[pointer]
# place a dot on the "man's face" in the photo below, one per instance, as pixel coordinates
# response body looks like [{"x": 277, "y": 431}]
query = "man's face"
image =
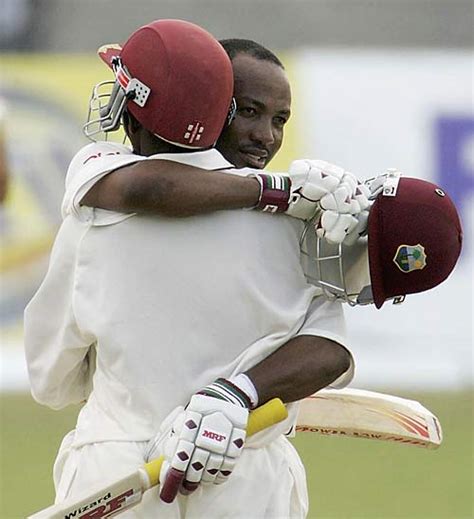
[{"x": 263, "y": 96}]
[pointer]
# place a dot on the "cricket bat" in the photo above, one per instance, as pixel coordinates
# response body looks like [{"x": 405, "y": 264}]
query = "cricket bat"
[
  {"x": 367, "y": 414},
  {"x": 128, "y": 491}
]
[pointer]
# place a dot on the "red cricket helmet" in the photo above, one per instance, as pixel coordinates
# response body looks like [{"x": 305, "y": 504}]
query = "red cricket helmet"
[
  {"x": 414, "y": 239},
  {"x": 177, "y": 80}
]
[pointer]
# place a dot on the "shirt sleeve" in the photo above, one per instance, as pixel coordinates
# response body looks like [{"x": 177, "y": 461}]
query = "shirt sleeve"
[
  {"x": 59, "y": 355},
  {"x": 88, "y": 166},
  {"x": 325, "y": 318}
]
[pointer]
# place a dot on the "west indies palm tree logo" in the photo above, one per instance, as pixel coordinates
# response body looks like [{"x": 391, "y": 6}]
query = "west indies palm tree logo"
[{"x": 410, "y": 257}]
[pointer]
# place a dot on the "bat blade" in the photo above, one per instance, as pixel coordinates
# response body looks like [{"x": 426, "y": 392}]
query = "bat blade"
[
  {"x": 366, "y": 414},
  {"x": 117, "y": 497},
  {"x": 127, "y": 492}
]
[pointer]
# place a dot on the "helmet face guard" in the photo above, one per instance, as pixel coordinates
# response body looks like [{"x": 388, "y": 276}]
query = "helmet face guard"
[
  {"x": 340, "y": 271},
  {"x": 109, "y": 98},
  {"x": 106, "y": 106}
]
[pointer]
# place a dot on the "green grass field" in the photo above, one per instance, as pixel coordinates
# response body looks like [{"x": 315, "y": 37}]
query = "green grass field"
[{"x": 347, "y": 478}]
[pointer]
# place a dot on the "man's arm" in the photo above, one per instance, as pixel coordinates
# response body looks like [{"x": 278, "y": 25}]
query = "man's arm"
[
  {"x": 171, "y": 189},
  {"x": 59, "y": 354},
  {"x": 302, "y": 366},
  {"x": 110, "y": 176},
  {"x": 314, "y": 358},
  {"x": 168, "y": 188}
]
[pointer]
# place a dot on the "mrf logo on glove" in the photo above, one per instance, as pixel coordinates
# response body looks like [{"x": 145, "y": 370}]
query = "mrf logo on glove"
[
  {"x": 208, "y": 437},
  {"x": 213, "y": 436}
]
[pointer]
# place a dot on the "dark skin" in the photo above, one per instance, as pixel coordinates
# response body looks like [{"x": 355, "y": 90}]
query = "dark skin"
[
  {"x": 263, "y": 96},
  {"x": 302, "y": 366},
  {"x": 305, "y": 363}
]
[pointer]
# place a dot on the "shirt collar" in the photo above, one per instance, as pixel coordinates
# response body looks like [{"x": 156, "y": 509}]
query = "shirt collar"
[{"x": 207, "y": 159}]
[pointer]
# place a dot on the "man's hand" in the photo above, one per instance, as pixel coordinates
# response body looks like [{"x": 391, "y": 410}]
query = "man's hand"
[
  {"x": 205, "y": 440},
  {"x": 314, "y": 189},
  {"x": 313, "y": 181},
  {"x": 335, "y": 195},
  {"x": 344, "y": 221}
]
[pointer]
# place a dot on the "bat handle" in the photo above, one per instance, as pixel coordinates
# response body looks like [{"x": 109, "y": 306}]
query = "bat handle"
[
  {"x": 153, "y": 468},
  {"x": 270, "y": 413}
]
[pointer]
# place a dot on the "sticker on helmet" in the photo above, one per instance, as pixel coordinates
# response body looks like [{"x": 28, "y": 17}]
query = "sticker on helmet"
[
  {"x": 410, "y": 257},
  {"x": 193, "y": 132}
]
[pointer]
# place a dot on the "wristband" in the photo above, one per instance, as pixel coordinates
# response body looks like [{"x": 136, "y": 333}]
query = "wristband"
[
  {"x": 243, "y": 382},
  {"x": 225, "y": 390},
  {"x": 275, "y": 192}
]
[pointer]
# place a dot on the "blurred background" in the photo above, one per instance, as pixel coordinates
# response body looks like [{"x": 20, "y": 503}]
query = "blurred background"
[{"x": 376, "y": 84}]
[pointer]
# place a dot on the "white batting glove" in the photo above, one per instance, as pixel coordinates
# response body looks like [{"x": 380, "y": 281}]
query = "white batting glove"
[
  {"x": 321, "y": 190},
  {"x": 206, "y": 439},
  {"x": 345, "y": 220},
  {"x": 336, "y": 194},
  {"x": 311, "y": 182}
]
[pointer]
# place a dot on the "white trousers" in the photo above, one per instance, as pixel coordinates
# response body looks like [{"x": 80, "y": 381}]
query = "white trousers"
[{"x": 267, "y": 483}]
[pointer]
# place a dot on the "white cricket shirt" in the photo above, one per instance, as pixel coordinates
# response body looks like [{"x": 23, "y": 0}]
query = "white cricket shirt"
[{"x": 137, "y": 313}]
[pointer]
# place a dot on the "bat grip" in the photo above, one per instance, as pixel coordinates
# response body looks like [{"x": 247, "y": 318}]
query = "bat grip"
[
  {"x": 270, "y": 413},
  {"x": 153, "y": 468}
]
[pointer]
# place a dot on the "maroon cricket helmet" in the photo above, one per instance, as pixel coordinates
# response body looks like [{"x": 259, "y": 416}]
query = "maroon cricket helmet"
[
  {"x": 414, "y": 240},
  {"x": 189, "y": 77}
]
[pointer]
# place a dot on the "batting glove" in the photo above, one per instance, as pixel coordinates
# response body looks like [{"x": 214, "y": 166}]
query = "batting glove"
[
  {"x": 311, "y": 182},
  {"x": 344, "y": 220},
  {"x": 335, "y": 195},
  {"x": 206, "y": 439},
  {"x": 317, "y": 189}
]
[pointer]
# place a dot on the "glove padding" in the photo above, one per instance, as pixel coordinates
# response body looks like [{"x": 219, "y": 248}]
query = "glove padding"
[
  {"x": 204, "y": 443},
  {"x": 311, "y": 181},
  {"x": 327, "y": 190},
  {"x": 345, "y": 220}
]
